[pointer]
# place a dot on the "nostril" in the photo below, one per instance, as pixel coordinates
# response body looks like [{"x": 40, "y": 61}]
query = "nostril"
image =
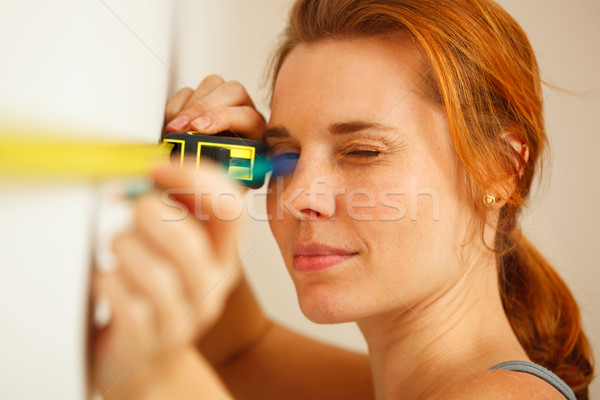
[{"x": 310, "y": 213}]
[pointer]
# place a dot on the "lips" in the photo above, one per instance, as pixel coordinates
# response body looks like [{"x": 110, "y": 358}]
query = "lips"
[{"x": 318, "y": 256}]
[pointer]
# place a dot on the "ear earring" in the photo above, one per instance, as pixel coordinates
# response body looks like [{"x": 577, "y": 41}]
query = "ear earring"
[{"x": 490, "y": 200}]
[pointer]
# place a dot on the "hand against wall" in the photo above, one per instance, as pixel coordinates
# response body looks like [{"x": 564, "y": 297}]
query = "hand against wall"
[{"x": 176, "y": 268}]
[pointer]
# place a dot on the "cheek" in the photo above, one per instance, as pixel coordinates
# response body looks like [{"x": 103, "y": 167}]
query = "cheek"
[
  {"x": 416, "y": 214},
  {"x": 278, "y": 219},
  {"x": 431, "y": 246}
]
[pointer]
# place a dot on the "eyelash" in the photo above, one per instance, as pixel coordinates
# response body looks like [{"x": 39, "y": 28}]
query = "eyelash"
[
  {"x": 285, "y": 163},
  {"x": 364, "y": 153},
  {"x": 355, "y": 153}
]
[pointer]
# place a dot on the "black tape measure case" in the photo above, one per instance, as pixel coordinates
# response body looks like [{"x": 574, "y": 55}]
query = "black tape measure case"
[{"x": 244, "y": 159}]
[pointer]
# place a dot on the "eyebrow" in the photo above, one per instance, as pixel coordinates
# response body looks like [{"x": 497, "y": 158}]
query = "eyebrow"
[{"x": 337, "y": 128}]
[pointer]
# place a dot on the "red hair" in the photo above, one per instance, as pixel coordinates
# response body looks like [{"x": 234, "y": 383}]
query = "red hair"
[{"x": 482, "y": 70}]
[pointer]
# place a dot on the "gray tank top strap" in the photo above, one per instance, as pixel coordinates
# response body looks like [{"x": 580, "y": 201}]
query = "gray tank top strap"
[{"x": 540, "y": 372}]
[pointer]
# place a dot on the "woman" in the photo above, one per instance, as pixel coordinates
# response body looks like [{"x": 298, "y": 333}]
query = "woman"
[{"x": 417, "y": 128}]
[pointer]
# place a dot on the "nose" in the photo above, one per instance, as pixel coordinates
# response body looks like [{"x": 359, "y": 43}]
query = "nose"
[{"x": 310, "y": 192}]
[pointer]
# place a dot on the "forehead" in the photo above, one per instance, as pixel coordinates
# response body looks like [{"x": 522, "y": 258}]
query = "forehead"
[
  {"x": 378, "y": 80},
  {"x": 359, "y": 75}
]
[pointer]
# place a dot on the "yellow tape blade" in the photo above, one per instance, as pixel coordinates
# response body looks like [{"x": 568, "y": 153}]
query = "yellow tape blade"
[{"x": 45, "y": 157}]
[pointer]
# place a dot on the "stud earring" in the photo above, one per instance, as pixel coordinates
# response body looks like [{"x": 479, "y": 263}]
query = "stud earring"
[{"x": 490, "y": 200}]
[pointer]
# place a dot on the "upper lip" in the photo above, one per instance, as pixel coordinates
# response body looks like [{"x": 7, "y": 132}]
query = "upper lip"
[{"x": 318, "y": 249}]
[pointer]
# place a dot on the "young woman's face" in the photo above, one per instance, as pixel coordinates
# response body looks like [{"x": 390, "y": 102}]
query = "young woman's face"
[{"x": 371, "y": 218}]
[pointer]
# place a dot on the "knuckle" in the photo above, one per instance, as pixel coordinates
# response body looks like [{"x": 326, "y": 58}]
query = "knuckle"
[
  {"x": 141, "y": 311},
  {"x": 234, "y": 84},
  {"x": 145, "y": 207},
  {"x": 120, "y": 241},
  {"x": 222, "y": 115},
  {"x": 186, "y": 91},
  {"x": 228, "y": 199},
  {"x": 170, "y": 112},
  {"x": 173, "y": 105},
  {"x": 166, "y": 278},
  {"x": 258, "y": 119},
  {"x": 199, "y": 108},
  {"x": 149, "y": 202},
  {"x": 148, "y": 208},
  {"x": 236, "y": 88},
  {"x": 212, "y": 79},
  {"x": 193, "y": 245},
  {"x": 213, "y": 307},
  {"x": 220, "y": 184},
  {"x": 205, "y": 313}
]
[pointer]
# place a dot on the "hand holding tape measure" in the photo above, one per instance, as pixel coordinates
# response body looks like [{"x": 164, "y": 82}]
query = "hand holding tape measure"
[
  {"x": 225, "y": 109},
  {"x": 173, "y": 265},
  {"x": 233, "y": 139},
  {"x": 244, "y": 159},
  {"x": 163, "y": 269}
]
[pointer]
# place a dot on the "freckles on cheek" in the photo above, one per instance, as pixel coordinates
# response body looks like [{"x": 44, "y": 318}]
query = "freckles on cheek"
[
  {"x": 375, "y": 207},
  {"x": 384, "y": 195},
  {"x": 361, "y": 205}
]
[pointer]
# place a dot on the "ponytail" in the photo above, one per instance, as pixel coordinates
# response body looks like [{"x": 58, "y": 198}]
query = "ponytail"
[{"x": 543, "y": 314}]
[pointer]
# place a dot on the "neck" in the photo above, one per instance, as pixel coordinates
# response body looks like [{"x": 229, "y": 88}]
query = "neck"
[{"x": 462, "y": 332}]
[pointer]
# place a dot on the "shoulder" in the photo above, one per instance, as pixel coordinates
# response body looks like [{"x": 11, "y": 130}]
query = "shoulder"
[{"x": 495, "y": 384}]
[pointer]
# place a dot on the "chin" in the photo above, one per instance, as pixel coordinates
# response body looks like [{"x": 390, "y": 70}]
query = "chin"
[{"x": 322, "y": 305}]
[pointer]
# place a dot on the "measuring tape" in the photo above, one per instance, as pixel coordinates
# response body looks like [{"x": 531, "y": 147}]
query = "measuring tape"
[
  {"x": 26, "y": 156},
  {"x": 244, "y": 159}
]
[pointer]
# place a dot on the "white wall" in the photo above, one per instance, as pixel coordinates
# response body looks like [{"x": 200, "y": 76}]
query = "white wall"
[{"x": 76, "y": 67}]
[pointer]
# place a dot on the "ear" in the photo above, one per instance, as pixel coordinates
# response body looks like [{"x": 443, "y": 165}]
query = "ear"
[
  {"x": 523, "y": 150},
  {"x": 520, "y": 147}
]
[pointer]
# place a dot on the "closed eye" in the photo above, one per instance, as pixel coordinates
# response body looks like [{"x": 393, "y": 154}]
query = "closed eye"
[
  {"x": 363, "y": 153},
  {"x": 284, "y": 164}
]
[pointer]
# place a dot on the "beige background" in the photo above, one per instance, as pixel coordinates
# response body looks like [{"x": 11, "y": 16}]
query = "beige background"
[{"x": 562, "y": 220}]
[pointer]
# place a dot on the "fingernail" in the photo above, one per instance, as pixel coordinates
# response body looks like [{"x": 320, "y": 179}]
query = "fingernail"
[
  {"x": 102, "y": 312},
  {"x": 106, "y": 260},
  {"x": 201, "y": 123},
  {"x": 178, "y": 123}
]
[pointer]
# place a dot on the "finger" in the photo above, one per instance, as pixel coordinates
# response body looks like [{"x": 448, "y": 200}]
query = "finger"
[
  {"x": 132, "y": 318},
  {"x": 180, "y": 121},
  {"x": 244, "y": 120},
  {"x": 229, "y": 94},
  {"x": 130, "y": 334},
  {"x": 216, "y": 200},
  {"x": 152, "y": 277},
  {"x": 208, "y": 84},
  {"x": 177, "y": 103},
  {"x": 183, "y": 241},
  {"x": 206, "y": 284}
]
